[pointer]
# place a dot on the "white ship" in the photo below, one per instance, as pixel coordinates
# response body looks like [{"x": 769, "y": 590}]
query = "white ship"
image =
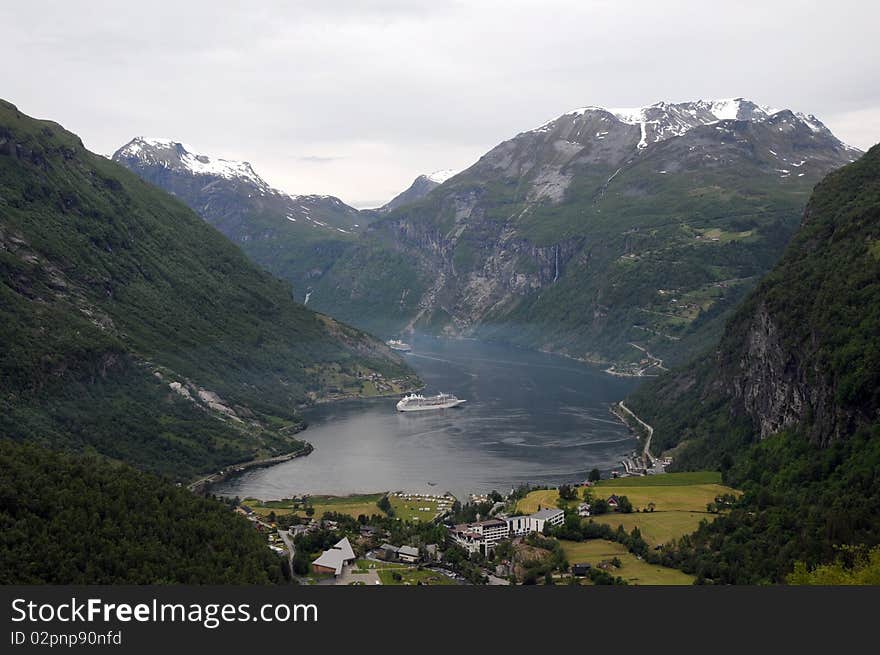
[
  {"x": 418, "y": 403},
  {"x": 395, "y": 344}
]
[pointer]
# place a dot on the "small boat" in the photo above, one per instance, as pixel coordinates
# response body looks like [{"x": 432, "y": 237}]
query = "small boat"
[
  {"x": 400, "y": 346},
  {"x": 417, "y": 403}
]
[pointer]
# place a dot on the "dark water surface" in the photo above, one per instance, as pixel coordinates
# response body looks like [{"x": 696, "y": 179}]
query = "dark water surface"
[{"x": 529, "y": 417}]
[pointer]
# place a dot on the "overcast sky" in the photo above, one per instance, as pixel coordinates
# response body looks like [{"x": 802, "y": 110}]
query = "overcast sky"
[{"x": 356, "y": 98}]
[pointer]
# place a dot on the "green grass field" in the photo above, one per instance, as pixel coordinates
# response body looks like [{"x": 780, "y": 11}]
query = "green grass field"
[
  {"x": 667, "y": 498},
  {"x": 351, "y": 505},
  {"x": 369, "y": 565},
  {"x": 665, "y": 480},
  {"x": 679, "y": 500},
  {"x": 656, "y": 527},
  {"x": 405, "y": 509},
  {"x": 535, "y": 500},
  {"x": 411, "y": 509},
  {"x": 633, "y": 570},
  {"x": 413, "y": 577}
]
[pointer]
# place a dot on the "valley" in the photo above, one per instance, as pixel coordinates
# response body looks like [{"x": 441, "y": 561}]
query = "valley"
[
  {"x": 600, "y": 235},
  {"x": 731, "y": 315}
]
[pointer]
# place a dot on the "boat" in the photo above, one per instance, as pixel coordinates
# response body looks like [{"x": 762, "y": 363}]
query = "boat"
[
  {"x": 398, "y": 345},
  {"x": 418, "y": 403}
]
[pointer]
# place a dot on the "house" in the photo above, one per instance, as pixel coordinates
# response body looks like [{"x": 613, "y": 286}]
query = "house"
[
  {"x": 369, "y": 531},
  {"x": 409, "y": 554},
  {"x": 298, "y": 529},
  {"x": 388, "y": 552},
  {"x": 332, "y": 560},
  {"x": 580, "y": 570},
  {"x": 613, "y": 501},
  {"x": 584, "y": 509}
]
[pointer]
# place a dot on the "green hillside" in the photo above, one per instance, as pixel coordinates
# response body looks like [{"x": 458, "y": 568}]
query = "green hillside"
[
  {"x": 82, "y": 520},
  {"x": 132, "y": 328},
  {"x": 787, "y": 404}
]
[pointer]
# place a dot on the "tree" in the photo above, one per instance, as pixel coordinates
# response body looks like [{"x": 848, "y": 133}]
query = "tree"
[
  {"x": 548, "y": 579},
  {"x": 385, "y": 505},
  {"x": 595, "y": 475},
  {"x": 624, "y": 505},
  {"x": 567, "y": 492},
  {"x": 599, "y": 506}
]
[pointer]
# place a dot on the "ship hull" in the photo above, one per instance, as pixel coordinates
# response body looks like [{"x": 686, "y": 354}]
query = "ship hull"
[{"x": 426, "y": 408}]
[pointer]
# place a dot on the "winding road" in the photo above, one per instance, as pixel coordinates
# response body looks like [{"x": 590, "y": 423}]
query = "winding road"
[{"x": 647, "y": 450}]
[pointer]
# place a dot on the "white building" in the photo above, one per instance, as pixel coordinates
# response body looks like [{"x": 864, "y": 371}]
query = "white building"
[
  {"x": 518, "y": 525},
  {"x": 481, "y": 536},
  {"x": 544, "y": 516},
  {"x": 485, "y": 535}
]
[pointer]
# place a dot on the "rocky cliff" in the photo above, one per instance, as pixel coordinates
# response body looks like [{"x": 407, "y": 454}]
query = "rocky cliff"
[{"x": 802, "y": 352}]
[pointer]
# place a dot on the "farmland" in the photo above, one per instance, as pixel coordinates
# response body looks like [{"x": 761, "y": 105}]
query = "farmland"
[{"x": 632, "y": 569}]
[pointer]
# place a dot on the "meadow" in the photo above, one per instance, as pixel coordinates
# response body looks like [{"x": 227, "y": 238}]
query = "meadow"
[
  {"x": 679, "y": 502},
  {"x": 632, "y": 569}
]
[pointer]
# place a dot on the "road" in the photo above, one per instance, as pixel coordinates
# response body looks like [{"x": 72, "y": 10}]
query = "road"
[
  {"x": 285, "y": 537},
  {"x": 647, "y": 450}
]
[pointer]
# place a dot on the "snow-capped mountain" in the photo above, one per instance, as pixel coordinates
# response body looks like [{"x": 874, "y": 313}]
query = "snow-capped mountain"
[
  {"x": 225, "y": 192},
  {"x": 602, "y": 228},
  {"x": 179, "y": 157},
  {"x": 421, "y": 186},
  {"x": 293, "y": 236},
  {"x": 664, "y": 120}
]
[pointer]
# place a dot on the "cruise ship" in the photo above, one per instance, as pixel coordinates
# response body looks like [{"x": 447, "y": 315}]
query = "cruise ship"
[
  {"x": 395, "y": 344},
  {"x": 418, "y": 403}
]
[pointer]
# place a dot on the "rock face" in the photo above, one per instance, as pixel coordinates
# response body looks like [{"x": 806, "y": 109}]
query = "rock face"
[
  {"x": 802, "y": 351},
  {"x": 601, "y": 229}
]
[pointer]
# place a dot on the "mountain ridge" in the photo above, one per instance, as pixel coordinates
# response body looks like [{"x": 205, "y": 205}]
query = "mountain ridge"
[{"x": 572, "y": 238}]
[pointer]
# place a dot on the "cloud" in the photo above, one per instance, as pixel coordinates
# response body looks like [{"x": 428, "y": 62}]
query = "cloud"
[{"x": 356, "y": 98}]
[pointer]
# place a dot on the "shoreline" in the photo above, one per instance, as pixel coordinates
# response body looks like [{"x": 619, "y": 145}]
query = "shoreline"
[{"x": 204, "y": 484}]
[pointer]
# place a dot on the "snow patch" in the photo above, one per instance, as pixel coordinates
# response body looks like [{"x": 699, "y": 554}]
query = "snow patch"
[{"x": 442, "y": 175}]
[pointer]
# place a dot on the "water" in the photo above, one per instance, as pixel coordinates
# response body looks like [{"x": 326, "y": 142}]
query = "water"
[{"x": 529, "y": 417}]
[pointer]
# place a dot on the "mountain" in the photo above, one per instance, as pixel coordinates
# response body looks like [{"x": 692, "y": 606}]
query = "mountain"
[
  {"x": 421, "y": 186},
  {"x": 120, "y": 526},
  {"x": 133, "y": 329},
  {"x": 788, "y": 403},
  {"x": 601, "y": 234},
  {"x": 293, "y": 236}
]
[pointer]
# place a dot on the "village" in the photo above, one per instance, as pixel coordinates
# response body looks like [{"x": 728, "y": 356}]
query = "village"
[{"x": 592, "y": 532}]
